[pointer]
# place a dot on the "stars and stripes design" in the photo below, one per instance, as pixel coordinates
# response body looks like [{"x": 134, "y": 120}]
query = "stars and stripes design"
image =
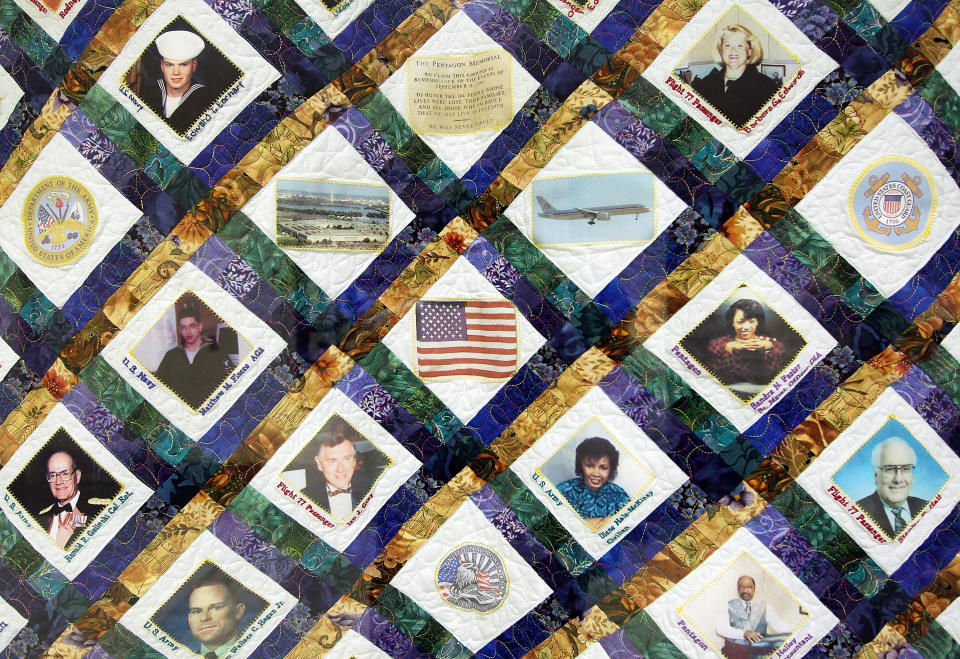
[
  {"x": 476, "y": 338},
  {"x": 44, "y": 218},
  {"x": 891, "y": 203},
  {"x": 483, "y": 581},
  {"x": 487, "y": 570}
]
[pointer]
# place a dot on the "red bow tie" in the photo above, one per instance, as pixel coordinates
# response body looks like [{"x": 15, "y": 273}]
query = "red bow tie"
[{"x": 346, "y": 490}]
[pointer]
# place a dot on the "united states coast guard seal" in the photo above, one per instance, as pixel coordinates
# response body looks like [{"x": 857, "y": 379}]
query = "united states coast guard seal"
[
  {"x": 893, "y": 203},
  {"x": 59, "y": 220},
  {"x": 472, "y": 578}
]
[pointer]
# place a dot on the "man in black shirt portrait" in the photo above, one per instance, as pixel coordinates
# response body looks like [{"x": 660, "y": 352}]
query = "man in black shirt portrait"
[{"x": 195, "y": 368}]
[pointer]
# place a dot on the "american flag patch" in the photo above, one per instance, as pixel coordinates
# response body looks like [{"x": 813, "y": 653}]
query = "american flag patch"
[
  {"x": 477, "y": 338},
  {"x": 44, "y": 218},
  {"x": 483, "y": 581}
]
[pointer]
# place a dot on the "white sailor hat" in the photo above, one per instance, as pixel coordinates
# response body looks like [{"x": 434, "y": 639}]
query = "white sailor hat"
[{"x": 179, "y": 45}]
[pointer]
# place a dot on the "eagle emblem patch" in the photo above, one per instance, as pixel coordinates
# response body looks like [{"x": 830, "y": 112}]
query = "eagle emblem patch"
[{"x": 59, "y": 220}]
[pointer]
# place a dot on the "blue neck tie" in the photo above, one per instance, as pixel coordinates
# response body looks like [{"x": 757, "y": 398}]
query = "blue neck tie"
[{"x": 898, "y": 522}]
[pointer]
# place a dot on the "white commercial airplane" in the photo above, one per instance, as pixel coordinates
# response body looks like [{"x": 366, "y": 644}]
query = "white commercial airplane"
[{"x": 592, "y": 214}]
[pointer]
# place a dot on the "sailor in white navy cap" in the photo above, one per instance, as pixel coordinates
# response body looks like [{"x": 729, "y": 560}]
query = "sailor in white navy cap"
[{"x": 176, "y": 97}]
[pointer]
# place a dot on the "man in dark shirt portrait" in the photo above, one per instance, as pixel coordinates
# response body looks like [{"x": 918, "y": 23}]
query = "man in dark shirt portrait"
[{"x": 194, "y": 369}]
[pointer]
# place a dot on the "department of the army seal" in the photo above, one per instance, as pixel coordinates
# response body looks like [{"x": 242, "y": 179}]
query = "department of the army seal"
[
  {"x": 893, "y": 203},
  {"x": 59, "y": 220},
  {"x": 472, "y": 577}
]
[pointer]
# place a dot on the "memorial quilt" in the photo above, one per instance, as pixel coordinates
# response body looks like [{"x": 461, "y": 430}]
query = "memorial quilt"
[{"x": 496, "y": 328}]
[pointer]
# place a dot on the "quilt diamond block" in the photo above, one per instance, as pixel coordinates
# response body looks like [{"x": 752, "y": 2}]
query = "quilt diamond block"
[
  {"x": 702, "y": 70},
  {"x": 899, "y": 208},
  {"x": 860, "y": 492},
  {"x": 192, "y": 351},
  {"x": 476, "y": 586},
  {"x": 234, "y": 74},
  {"x": 65, "y": 216},
  {"x": 461, "y": 37},
  {"x": 464, "y": 390}
]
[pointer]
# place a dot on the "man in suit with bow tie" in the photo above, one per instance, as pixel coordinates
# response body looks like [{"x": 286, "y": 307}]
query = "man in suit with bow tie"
[
  {"x": 747, "y": 622},
  {"x": 341, "y": 481},
  {"x": 66, "y": 519},
  {"x": 891, "y": 505}
]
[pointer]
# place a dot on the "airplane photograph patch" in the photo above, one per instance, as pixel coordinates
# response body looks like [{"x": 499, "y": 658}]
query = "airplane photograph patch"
[{"x": 593, "y": 209}]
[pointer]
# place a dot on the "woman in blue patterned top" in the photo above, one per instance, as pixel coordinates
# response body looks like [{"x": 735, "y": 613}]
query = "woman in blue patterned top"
[{"x": 591, "y": 493}]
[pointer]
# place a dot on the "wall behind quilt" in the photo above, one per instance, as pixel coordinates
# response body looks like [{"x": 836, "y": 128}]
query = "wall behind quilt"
[{"x": 479, "y": 327}]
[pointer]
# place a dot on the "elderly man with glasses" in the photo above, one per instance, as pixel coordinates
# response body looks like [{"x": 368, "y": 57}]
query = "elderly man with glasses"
[
  {"x": 66, "y": 519},
  {"x": 891, "y": 505}
]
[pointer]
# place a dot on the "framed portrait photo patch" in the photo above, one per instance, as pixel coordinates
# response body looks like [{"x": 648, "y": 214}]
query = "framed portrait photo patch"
[
  {"x": 742, "y": 343},
  {"x": 210, "y": 599},
  {"x": 731, "y": 70},
  {"x": 742, "y": 599},
  {"x": 185, "y": 75},
  {"x": 888, "y": 480},
  {"x": 192, "y": 350},
  {"x": 335, "y": 471},
  {"x": 67, "y": 494},
  {"x": 598, "y": 473}
]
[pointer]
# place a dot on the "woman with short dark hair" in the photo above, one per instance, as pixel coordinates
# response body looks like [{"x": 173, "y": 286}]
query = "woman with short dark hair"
[{"x": 592, "y": 493}]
